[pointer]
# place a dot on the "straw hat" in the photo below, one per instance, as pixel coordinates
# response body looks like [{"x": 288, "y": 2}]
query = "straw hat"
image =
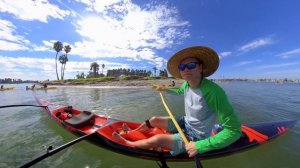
[{"x": 209, "y": 58}]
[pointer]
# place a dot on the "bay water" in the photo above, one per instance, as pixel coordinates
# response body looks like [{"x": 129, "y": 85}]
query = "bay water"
[{"x": 26, "y": 132}]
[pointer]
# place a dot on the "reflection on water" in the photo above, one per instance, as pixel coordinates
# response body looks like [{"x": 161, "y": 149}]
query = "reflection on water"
[
  {"x": 96, "y": 94},
  {"x": 26, "y": 131}
]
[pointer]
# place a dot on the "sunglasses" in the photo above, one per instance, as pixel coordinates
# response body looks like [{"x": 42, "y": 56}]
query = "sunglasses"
[{"x": 189, "y": 66}]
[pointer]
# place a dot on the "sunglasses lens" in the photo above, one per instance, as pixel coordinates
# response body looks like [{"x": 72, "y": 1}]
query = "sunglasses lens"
[
  {"x": 191, "y": 65},
  {"x": 181, "y": 67}
]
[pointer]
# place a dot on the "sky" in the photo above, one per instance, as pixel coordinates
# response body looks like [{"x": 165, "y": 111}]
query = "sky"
[{"x": 253, "y": 38}]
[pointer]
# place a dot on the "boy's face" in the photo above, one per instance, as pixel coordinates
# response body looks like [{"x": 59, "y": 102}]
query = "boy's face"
[{"x": 191, "y": 72}]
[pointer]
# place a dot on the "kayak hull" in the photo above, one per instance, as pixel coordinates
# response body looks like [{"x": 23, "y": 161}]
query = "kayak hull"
[{"x": 253, "y": 134}]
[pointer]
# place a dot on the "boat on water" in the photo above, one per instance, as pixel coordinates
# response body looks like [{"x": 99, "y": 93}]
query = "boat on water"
[
  {"x": 41, "y": 88},
  {"x": 84, "y": 122},
  {"x": 155, "y": 86},
  {"x": 7, "y": 88}
]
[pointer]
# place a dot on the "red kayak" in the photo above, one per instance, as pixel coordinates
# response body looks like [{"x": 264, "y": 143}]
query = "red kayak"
[{"x": 85, "y": 122}]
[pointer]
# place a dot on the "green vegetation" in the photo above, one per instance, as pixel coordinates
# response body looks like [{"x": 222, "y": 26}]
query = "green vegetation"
[
  {"x": 10, "y": 81},
  {"x": 118, "y": 73},
  {"x": 89, "y": 80},
  {"x": 127, "y": 72}
]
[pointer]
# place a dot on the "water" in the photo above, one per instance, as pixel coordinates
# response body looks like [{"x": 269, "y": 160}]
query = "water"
[{"x": 25, "y": 132}]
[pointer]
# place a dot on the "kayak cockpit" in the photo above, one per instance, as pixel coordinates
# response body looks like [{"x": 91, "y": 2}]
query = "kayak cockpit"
[
  {"x": 109, "y": 129},
  {"x": 131, "y": 134},
  {"x": 73, "y": 117},
  {"x": 81, "y": 119}
]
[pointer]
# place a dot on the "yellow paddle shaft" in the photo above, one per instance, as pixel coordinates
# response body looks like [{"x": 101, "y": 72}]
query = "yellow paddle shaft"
[{"x": 174, "y": 120}]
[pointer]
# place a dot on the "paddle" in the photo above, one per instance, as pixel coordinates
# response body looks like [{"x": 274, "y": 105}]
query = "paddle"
[
  {"x": 51, "y": 151},
  {"x": 20, "y": 105},
  {"x": 196, "y": 158}
]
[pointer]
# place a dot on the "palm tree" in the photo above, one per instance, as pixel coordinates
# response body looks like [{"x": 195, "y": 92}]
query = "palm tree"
[
  {"x": 57, "y": 46},
  {"x": 63, "y": 59},
  {"x": 95, "y": 68},
  {"x": 103, "y": 68},
  {"x": 67, "y": 49},
  {"x": 155, "y": 69}
]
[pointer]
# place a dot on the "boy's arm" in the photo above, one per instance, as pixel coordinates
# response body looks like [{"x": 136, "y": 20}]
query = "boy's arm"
[
  {"x": 231, "y": 132},
  {"x": 180, "y": 90}
]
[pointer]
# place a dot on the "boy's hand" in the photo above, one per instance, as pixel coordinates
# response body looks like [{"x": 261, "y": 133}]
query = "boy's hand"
[{"x": 191, "y": 149}]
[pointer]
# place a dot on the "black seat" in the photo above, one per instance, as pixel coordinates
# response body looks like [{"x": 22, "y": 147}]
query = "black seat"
[{"x": 81, "y": 120}]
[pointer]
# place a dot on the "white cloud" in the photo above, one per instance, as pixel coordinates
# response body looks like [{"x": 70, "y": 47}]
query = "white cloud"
[
  {"x": 256, "y": 44},
  {"x": 225, "y": 54},
  {"x": 11, "y": 46},
  {"x": 47, "y": 46},
  {"x": 6, "y": 30},
  {"x": 9, "y": 40},
  {"x": 32, "y": 10},
  {"x": 290, "y": 53},
  {"x": 159, "y": 61},
  {"x": 123, "y": 29},
  {"x": 32, "y": 68},
  {"x": 100, "y": 5},
  {"x": 242, "y": 63},
  {"x": 277, "y": 65},
  {"x": 116, "y": 29}
]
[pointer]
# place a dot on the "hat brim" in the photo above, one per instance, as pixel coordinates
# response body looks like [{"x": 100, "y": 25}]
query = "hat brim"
[{"x": 207, "y": 56}]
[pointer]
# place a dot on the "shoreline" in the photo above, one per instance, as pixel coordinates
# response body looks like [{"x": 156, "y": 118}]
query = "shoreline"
[{"x": 121, "y": 83}]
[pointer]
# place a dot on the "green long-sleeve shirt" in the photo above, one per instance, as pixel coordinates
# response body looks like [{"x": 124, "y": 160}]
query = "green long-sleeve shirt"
[{"x": 205, "y": 104}]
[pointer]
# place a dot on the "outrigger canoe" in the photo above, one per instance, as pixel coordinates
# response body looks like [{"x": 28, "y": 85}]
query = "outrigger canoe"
[
  {"x": 7, "y": 88},
  {"x": 42, "y": 88},
  {"x": 85, "y": 122}
]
